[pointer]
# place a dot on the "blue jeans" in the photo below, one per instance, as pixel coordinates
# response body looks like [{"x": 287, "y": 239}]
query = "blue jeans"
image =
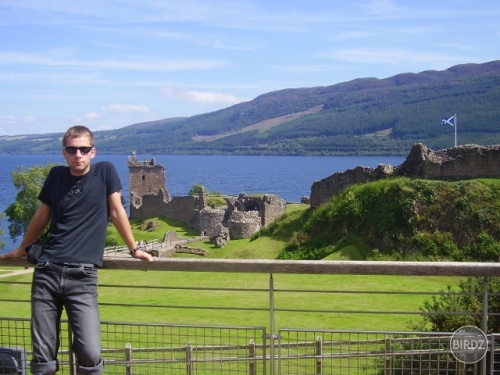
[{"x": 75, "y": 289}]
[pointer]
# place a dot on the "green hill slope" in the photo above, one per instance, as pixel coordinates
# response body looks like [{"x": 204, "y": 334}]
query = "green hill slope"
[
  {"x": 402, "y": 219},
  {"x": 366, "y": 116}
]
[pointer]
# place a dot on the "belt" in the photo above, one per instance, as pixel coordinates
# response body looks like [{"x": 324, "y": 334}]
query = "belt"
[{"x": 75, "y": 265}]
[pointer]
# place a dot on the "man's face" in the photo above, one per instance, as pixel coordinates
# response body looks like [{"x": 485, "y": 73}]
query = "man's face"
[{"x": 76, "y": 155}]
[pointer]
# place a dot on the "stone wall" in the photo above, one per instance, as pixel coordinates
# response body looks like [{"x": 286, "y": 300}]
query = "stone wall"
[
  {"x": 323, "y": 190},
  {"x": 457, "y": 163},
  {"x": 269, "y": 206},
  {"x": 210, "y": 218},
  {"x": 184, "y": 209},
  {"x": 148, "y": 207},
  {"x": 272, "y": 207},
  {"x": 242, "y": 224},
  {"x": 149, "y": 198}
]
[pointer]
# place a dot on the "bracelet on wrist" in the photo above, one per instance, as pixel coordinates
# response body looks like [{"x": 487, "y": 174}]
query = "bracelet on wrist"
[{"x": 133, "y": 251}]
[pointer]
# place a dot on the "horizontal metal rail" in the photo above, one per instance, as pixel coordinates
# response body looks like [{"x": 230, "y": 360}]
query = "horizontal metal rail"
[
  {"x": 335, "y": 349},
  {"x": 297, "y": 266}
]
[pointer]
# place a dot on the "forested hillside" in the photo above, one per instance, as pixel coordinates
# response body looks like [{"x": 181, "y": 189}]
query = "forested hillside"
[{"x": 366, "y": 116}]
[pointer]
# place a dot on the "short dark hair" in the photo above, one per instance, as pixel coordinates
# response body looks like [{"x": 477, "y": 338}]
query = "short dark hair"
[{"x": 78, "y": 131}]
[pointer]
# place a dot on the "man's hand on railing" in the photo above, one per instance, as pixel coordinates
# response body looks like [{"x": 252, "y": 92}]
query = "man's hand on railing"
[
  {"x": 17, "y": 253},
  {"x": 141, "y": 254}
]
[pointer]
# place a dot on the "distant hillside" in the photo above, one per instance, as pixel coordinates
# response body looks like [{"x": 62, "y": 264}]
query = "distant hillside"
[{"x": 366, "y": 116}]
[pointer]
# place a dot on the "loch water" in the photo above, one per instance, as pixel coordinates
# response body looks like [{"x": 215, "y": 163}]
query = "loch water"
[{"x": 290, "y": 177}]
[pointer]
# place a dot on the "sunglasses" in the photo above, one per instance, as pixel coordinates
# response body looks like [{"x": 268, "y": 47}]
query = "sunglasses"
[{"x": 83, "y": 150}]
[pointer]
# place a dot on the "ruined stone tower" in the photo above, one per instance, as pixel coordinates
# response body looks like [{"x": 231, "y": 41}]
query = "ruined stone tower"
[
  {"x": 149, "y": 198},
  {"x": 146, "y": 178}
]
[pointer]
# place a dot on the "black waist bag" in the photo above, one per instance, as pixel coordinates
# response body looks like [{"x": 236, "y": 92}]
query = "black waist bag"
[{"x": 34, "y": 252}]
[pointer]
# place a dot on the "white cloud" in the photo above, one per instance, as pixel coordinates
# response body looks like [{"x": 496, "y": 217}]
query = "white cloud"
[
  {"x": 7, "y": 120},
  {"x": 200, "y": 97},
  {"x": 382, "y": 7},
  {"x": 391, "y": 56},
  {"x": 12, "y": 120},
  {"x": 126, "y": 108},
  {"x": 91, "y": 116},
  {"x": 69, "y": 78},
  {"x": 211, "y": 97},
  {"x": 145, "y": 63},
  {"x": 304, "y": 69}
]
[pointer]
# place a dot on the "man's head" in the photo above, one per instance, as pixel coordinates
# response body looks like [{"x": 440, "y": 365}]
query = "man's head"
[
  {"x": 78, "y": 131},
  {"x": 78, "y": 149}
]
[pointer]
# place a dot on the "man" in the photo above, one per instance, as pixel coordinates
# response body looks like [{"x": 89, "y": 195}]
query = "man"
[{"x": 77, "y": 200}]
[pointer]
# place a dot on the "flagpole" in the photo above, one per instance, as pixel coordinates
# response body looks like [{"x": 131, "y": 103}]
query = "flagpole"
[{"x": 455, "y": 129}]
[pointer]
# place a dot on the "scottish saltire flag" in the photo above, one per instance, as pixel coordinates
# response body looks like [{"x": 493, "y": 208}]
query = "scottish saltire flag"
[{"x": 449, "y": 121}]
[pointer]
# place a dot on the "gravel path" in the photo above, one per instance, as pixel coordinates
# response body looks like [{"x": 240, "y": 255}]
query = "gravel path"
[{"x": 16, "y": 272}]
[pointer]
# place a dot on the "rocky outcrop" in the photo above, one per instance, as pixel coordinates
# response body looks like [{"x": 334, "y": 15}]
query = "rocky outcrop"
[{"x": 457, "y": 163}]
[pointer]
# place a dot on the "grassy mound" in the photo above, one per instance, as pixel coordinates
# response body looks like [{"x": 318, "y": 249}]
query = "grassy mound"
[{"x": 404, "y": 219}]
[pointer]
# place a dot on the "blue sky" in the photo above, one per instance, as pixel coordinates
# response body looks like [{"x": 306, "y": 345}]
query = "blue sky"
[{"x": 110, "y": 63}]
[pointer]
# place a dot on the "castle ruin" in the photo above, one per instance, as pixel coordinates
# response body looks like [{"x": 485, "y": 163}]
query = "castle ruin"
[
  {"x": 146, "y": 177},
  {"x": 242, "y": 216},
  {"x": 456, "y": 163}
]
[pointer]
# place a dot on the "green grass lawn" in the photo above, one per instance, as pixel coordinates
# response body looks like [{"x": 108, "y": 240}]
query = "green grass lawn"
[
  {"x": 163, "y": 226},
  {"x": 261, "y": 248},
  {"x": 220, "y": 307},
  {"x": 339, "y": 305}
]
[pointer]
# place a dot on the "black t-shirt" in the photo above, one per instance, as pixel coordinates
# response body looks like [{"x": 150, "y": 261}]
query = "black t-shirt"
[{"x": 79, "y": 213}]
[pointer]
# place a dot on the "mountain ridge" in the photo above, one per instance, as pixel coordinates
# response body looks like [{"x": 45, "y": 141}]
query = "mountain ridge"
[{"x": 364, "y": 116}]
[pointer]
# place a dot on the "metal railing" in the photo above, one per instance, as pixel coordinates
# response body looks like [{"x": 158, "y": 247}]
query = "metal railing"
[{"x": 269, "y": 348}]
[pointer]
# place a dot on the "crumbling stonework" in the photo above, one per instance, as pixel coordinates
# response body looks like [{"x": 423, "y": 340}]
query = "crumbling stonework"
[
  {"x": 244, "y": 215},
  {"x": 219, "y": 236},
  {"x": 242, "y": 224},
  {"x": 457, "y": 163},
  {"x": 324, "y": 189},
  {"x": 171, "y": 237},
  {"x": 269, "y": 206},
  {"x": 183, "y": 209},
  {"x": 190, "y": 250},
  {"x": 210, "y": 218},
  {"x": 146, "y": 178}
]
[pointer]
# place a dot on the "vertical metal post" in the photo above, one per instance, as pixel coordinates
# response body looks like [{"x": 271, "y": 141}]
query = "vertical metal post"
[
  {"x": 72, "y": 358},
  {"x": 388, "y": 370},
  {"x": 485, "y": 304},
  {"x": 492, "y": 354},
  {"x": 128, "y": 358},
  {"x": 252, "y": 367},
  {"x": 318, "y": 344},
  {"x": 189, "y": 363},
  {"x": 485, "y": 321},
  {"x": 271, "y": 322}
]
